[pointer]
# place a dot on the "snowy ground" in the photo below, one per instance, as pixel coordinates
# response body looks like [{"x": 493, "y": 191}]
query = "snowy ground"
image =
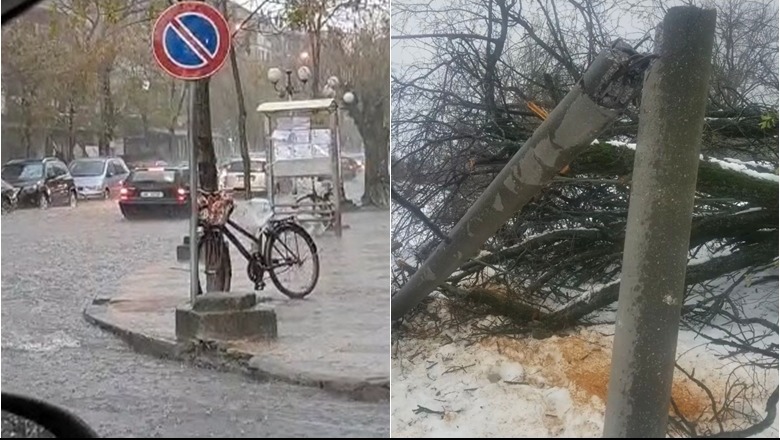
[{"x": 443, "y": 386}]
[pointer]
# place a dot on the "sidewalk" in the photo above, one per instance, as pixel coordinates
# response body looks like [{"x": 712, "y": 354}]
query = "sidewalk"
[{"x": 338, "y": 338}]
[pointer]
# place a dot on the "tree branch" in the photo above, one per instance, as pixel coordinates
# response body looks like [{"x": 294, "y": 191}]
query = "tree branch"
[{"x": 417, "y": 212}]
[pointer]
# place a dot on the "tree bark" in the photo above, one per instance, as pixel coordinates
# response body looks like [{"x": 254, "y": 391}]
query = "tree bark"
[
  {"x": 609, "y": 160},
  {"x": 315, "y": 47},
  {"x": 217, "y": 262},
  {"x": 659, "y": 224},
  {"x": 145, "y": 126},
  {"x": 242, "y": 139},
  {"x": 202, "y": 138},
  {"x": 376, "y": 188},
  {"x": 106, "y": 109},
  {"x": 592, "y": 105},
  {"x": 71, "y": 130}
]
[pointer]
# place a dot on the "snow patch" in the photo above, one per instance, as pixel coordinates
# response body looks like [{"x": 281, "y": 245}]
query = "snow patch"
[
  {"x": 731, "y": 164},
  {"x": 556, "y": 387},
  {"x": 742, "y": 167}
]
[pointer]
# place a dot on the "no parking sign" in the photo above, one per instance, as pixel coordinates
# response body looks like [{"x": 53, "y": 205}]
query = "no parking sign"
[{"x": 191, "y": 40}]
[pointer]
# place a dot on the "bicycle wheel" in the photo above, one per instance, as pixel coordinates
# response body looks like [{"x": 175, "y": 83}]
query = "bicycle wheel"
[
  {"x": 291, "y": 255},
  {"x": 320, "y": 208},
  {"x": 214, "y": 268}
]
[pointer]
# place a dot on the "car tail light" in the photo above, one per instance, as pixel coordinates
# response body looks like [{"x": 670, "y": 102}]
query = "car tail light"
[
  {"x": 181, "y": 194},
  {"x": 125, "y": 193}
]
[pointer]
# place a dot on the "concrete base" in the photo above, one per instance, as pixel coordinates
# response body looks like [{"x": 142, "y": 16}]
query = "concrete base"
[
  {"x": 224, "y": 302},
  {"x": 225, "y": 317},
  {"x": 182, "y": 253}
]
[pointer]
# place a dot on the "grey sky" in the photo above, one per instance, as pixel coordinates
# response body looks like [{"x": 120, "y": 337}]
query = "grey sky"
[{"x": 404, "y": 52}]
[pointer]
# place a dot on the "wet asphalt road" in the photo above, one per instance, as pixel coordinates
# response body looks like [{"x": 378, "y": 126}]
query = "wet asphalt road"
[{"x": 53, "y": 263}]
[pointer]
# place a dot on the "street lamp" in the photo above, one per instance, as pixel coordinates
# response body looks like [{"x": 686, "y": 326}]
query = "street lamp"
[
  {"x": 275, "y": 76},
  {"x": 288, "y": 90}
]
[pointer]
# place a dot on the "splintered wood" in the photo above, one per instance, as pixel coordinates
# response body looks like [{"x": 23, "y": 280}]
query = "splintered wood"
[{"x": 583, "y": 366}]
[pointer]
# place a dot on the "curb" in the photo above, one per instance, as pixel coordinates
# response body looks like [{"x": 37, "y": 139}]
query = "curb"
[{"x": 214, "y": 356}]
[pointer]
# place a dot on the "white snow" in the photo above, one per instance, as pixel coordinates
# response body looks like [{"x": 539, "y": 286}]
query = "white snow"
[
  {"x": 727, "y": 164},
  {"x": 630, "y": 146},
  {"x": 480, "y": 393},
  {"x": 554, "y": 387},
  {"x": 551, "y": 231},
  {"x": 750, "y": 163},
  {"x": 742, "y": 167},
  {"x": 745, "y": 211}
]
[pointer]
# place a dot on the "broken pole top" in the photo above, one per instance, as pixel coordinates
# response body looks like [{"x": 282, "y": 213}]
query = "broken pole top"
[{"x": 311, "y": 105}]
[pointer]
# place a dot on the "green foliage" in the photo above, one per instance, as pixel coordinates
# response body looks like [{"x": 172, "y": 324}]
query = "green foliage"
[
  {"x": 315, "y": 15},
  {"x": 301, "y": 14},
  {"x": 768, "y": 121}
]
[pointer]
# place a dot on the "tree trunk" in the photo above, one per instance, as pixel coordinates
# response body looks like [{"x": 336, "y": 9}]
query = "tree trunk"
[
  {"x": 590, "y": 107},
  {"x": 314, "y": 47},
  {"x": 218, "y": 262},
  {"x": 609, "y": 160},
  {"x": 659, "y": 225},
  {"x": 173, "y": 145},
  {"x": 145, "y": 126},
  {"x": 27, "y": 136},
  {"x": 106, "y": 109},
  {"x": 27, "y": 125},
  {"x": 71, "y": 130},
  {"x": 377, "y": 151},
  {"x": 202, "y": 138},
  {"x": 242, "y": 139}
]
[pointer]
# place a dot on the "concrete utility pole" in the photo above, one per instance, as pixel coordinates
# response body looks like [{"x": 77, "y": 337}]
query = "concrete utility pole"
[
  {"x": 593, "y": 104},
  {"x": 671, "y": 121}
]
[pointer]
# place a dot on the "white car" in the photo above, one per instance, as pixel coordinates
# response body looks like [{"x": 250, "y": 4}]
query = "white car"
[{"x": 231, "y": 176}]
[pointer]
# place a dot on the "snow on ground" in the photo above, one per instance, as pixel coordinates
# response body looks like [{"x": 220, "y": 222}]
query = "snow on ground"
[
  {"x": 485, "y": 390},
  {"x": 445, "y": 386},
  {"x": 504, "y": 387}
]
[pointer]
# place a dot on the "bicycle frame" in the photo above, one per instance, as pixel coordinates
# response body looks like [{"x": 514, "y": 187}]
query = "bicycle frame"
[{"x": 264, "y": 231}]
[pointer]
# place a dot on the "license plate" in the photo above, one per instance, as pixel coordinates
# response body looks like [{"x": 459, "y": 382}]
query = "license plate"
[{"x": 151, "y": 194}]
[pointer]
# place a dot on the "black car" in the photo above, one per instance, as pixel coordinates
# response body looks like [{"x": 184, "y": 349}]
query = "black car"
[
  {"x": 9, "y": 194},
  {"x": 158, "y": 190},
  {"x": 41, "y": 182}
]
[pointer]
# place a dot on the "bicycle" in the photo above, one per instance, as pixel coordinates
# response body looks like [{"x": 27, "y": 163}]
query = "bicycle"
[
  {"x": 270, "y": 251},
  {"x": 320, "y": 204}
]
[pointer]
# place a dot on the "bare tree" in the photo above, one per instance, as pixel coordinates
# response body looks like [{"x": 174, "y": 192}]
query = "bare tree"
[
  {"x": 100, "y": 28},
  {"x": 467, "y": 92},
  {"x": 361, "y": 59}
]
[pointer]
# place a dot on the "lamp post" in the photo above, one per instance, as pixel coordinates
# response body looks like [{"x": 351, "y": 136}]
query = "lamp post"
[
  {"x": 288, "y": 90},
  {"x": 283, "y": 84}
]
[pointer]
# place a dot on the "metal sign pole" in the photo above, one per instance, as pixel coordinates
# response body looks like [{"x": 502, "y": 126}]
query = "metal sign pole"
[
  {"x": 271, "y": 158},
  {"x": 193, "y": 165},
  {"x": 174, "y": 56}
]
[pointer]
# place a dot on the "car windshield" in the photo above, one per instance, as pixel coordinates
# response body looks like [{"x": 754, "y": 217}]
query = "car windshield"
[
  {"x": 156, "y": 176},
  {"x": 22, "y": 171},
  {"x": 238, "y": 166},
  {"x": 87, "y": 168}
]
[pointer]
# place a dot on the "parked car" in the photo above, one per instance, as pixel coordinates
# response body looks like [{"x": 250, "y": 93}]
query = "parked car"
[
  {"x": 155, "y": 190},
  {"x": 41, "y": 182},
  {"x": 9, "y": 197},
  {"x": 349, "y": 168},
  {"x": 98, "y": 177},
  {"x": 231, "y": 176}
]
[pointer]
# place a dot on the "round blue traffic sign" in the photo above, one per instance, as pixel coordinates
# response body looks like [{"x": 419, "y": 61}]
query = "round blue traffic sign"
[{"x": 191, "y": 40}]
